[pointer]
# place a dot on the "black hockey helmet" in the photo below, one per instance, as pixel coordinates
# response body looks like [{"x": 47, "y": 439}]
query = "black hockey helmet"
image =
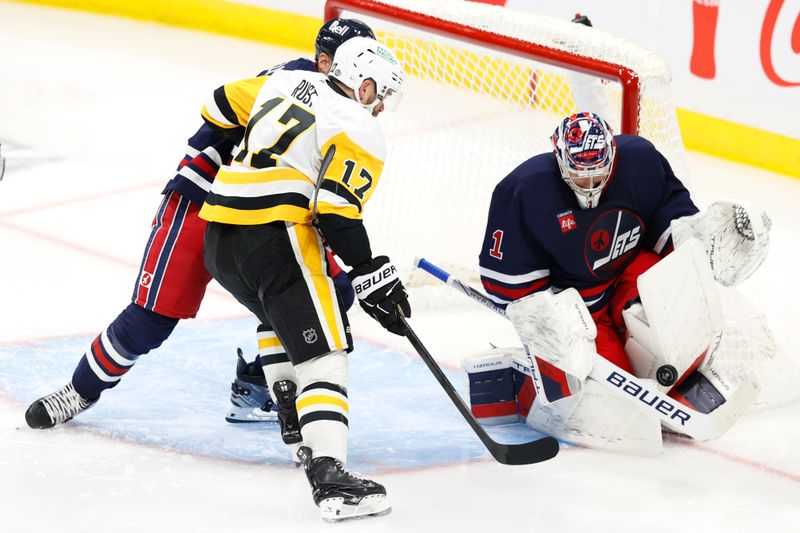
[{"x": 338, "y": 30}]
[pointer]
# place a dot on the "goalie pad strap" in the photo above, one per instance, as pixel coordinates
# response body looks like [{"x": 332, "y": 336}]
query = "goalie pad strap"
[{"x": 554, "y": 380}]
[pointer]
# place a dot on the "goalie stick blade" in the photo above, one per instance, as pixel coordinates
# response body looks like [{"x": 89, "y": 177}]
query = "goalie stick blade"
[{"x": 507, "y": 454}]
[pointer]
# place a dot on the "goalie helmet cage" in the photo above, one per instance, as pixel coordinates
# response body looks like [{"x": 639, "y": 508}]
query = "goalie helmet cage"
[{"x": 485, "y": 89}]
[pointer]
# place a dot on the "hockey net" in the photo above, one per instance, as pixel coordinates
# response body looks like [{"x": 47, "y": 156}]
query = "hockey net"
[
  {"x": 485, "y": 89},
  {"x": 748, "y": 344}
]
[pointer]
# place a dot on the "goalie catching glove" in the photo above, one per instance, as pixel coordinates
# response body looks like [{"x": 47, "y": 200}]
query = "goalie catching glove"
[
  {"x": 380, "y": 292},
  {"x": 735, "y": 235}
]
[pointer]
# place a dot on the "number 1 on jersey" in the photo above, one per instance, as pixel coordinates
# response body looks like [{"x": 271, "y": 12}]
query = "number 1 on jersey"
[{"x": 497, "y": 237}]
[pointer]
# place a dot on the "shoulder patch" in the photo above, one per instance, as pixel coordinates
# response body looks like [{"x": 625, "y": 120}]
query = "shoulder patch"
[{"x": 566, "y": 220}]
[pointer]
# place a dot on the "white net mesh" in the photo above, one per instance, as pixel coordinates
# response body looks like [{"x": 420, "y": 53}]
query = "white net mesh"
[
  {"x": 471, "y": 113},
  {"x": 748, "y": 345}
]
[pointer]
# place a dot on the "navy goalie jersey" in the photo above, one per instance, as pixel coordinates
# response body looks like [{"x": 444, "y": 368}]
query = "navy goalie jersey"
[{"x": 537, "y": 236}]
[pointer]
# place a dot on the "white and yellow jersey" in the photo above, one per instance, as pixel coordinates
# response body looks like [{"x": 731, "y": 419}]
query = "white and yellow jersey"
[{"x": 291, "y": 118}]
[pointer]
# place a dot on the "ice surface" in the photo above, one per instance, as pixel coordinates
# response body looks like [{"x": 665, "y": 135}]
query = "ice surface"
[{"x": 94, "y": 114}]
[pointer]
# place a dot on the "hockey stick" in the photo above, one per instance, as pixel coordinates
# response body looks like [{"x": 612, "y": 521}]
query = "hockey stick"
[
  {"x": 675, "y": 415},
  {"x": 323, "y": 168},
  {"x": 508, "y": 454}
]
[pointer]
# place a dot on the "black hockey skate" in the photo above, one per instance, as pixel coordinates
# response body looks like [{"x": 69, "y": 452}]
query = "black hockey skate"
[
  {"x": 250, "y": 399},
  {"x": 56, "y": 408},
  {"x": 339, "y": 494}
]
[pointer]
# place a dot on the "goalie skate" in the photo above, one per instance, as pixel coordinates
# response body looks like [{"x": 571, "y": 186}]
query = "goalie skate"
[
  {"x": 250, "y": 399},
  {"x": 339, "y": 494}
]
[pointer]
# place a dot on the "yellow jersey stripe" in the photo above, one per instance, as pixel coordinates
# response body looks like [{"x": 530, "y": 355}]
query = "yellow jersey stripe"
[
  {"x": 270, "y": 342},
  {"x": 321, "y": 399},
  {"x": 308, "y": 240},
  {"x": 209, "y": 117},
  {"x": 250, "y": 176},
  {"x": 229, "y": 215},
  {"x": 348, "y": 211},
  {"x": 242, "y": 94}
]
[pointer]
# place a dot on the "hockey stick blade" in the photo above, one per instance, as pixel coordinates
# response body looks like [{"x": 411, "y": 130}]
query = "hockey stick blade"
[
  {"x": 677, "y": 416},
  {"x": 507, "y": 454}
]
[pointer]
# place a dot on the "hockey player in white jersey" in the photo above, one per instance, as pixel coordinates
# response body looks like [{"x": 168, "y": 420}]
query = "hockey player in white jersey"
[{"x": 268, "y": 213}]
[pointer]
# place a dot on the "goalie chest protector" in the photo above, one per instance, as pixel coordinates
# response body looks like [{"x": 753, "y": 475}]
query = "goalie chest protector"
[{"x": 537, "y": 236}]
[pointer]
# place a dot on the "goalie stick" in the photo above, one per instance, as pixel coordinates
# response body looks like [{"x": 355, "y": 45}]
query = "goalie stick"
[
  {"x": 508, "y": 454},
  {"x": 675, "y": 415}
]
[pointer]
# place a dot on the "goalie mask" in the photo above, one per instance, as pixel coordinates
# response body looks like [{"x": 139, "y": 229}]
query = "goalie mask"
[
  {"x": 585, "y": 149},
  {"x": 361, "y": 58}
]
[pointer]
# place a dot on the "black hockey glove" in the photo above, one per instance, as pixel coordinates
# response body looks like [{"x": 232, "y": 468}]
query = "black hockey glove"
[{"x": 380, "y": 291}]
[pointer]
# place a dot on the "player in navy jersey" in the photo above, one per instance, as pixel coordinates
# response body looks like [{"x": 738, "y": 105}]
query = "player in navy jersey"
[
  {"x": 172, "y": 278},
  {"x": 568, "y": 237},
  {"x": 591, "y": 215}
]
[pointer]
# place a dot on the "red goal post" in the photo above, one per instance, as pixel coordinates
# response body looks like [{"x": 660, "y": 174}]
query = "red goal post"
[{"x": 627, "y": 78}]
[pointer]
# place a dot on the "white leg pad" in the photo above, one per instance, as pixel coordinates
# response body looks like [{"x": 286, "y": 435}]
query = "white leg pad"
[
  {"x": 598, "y": 418},
  {"x": 558, "y": 333},
  {"x": 682, "y": 312}
]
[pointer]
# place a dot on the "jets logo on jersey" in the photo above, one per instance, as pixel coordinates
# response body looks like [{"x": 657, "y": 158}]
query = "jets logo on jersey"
[
  {"x": 566, "y": 221},
  {"x": 612, "y": 241}
]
